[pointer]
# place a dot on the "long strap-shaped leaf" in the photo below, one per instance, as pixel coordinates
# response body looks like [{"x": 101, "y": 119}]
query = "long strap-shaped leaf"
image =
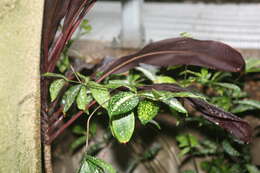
[
  {"x": 180, "y": 51},
  {"x": 73, "y": 12},
  {"x": 233, "y": 124}
]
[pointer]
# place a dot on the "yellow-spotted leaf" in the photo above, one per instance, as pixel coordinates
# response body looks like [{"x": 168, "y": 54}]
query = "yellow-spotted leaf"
[
  {"x": 122, "y": 102},
  {"x": 83, "y": 99},
  {"x": 147, "y": 110},
  {"x": 55, "y": 88},
  {"x": 70, "y": 96}
]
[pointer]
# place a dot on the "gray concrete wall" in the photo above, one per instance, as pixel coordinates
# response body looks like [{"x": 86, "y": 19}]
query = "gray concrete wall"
[{"x": 20, "y": 36}]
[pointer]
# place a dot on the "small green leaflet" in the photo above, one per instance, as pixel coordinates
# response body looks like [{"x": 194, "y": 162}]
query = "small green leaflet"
[
  {"x": 252, "y": 103},
  {"x": 187, "y": 140},
  {"x": 175, "y": 104},
  {"x": 252, "y": 168},
  {"x": 122, "y": 127},
  {"x": 92, "y": 164},
  {"x": 84, "y": 78},
  {"x": 49, "y": 74},
  {"x": 55, "y": 88},
  {"x": 229, "y": 149},
  {"x": 83, "y": 99},
  {"x": 147, "y": 110},
  {"x": 242, "y": 108},
  {"x": 252, "y": 65},
  {"x": 122, "y": 102},
  {"x": 164, "y": 79},
  {"x": 167, "y": 94},
  {"x": 100, "y": 94},
  {"x": 227, "y": 85},
  {"x": 113, "y": 84},
  {"x": 149, "y": 74},
  {"x": 77, "y": 143},
  {"x": 63, "y": 64},
  {"x": 70, "y": 96}
]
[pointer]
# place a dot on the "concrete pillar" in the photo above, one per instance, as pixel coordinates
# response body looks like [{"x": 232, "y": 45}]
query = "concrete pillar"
[
  {"x": 132, "y": 32},
  {"x": 20, "y": 36}
]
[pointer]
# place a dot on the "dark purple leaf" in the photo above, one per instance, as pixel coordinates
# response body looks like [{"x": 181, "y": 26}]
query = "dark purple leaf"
[
  {"x": 72, "y": 11},
  {"x": 181, "y": 51},
  {"x": 233, "y": 124},
  {"x": 74, "y": 6},
  {"x": 54, "y": 11}
]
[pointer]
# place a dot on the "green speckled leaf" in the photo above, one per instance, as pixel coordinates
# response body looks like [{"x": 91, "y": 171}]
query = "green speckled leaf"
[
  {"x": 70, "y": 96},
  {"x": 122, "y": 102},
  {"x": 55, "y": 88},
  {"x": 100, "y": 94},
  {"x": 83, "y": 99},
  {"x": 49, "y": 74},
  {"x": 175, "y": 104},
  {"x": 147, "y": 110},
  {"x": 92, "y": 164},
  {"x": 123, "y": 127}
]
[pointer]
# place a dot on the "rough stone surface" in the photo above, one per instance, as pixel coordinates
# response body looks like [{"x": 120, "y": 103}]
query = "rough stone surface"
[{"x": 20, "y": 35}]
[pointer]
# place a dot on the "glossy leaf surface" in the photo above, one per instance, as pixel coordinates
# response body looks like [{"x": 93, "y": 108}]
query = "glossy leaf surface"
[
  {"x": 147, "y": 110},
  {"x": 233, "y": 124},
  {"x": 55, "y": 88},
  {"x": 123, "y": 127},
  {"x": 121, "y": 103},
  {"x": 69, "y": 97}
]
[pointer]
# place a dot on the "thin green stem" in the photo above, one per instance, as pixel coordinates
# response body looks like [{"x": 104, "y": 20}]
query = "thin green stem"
[{"x": 88, "y": 125}]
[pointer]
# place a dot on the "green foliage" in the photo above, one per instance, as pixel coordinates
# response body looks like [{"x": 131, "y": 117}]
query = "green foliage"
[
  {"x": 122, "y": 127},
  {"x": 85, "y": 27},
  {"x": 252, "y": 168},
  {"x": 64, "y": 63},
  {"x": 94, "y": 165},
  {"x": 252, "y": 65},
  {"x": 122, "y": 102},
  {"x": 174, "y": 104},
  {"x": 100, "y": 94},
  {"x": 187, "y": 143},
  {"x": 55, "y": 88},
  {"x": 147, "y": 110},
  {"x": 83, "y": 99},
  {"x": 120, "y": 98},
  {"x": 56, "y": 75},
  {"x": 69, "y": 97},
  {"x": 229, "y": 149}
]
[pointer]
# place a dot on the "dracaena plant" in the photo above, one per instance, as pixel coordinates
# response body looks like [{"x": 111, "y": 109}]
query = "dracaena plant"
[{"x": 123, "y": 101}]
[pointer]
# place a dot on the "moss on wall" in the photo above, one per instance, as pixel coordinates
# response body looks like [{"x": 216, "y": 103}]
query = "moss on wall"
[{"x": 20, "y": 35}]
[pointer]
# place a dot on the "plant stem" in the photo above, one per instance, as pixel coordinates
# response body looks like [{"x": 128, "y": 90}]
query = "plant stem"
[
  {"x": 88, "y": 125},
  {"x": 68, "y": 123}
]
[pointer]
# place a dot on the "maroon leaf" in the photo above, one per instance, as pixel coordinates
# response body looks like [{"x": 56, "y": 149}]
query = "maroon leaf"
[
  {"x": 74, "y": 6},
  {"x": 233, "y": 124},
  {"x": 54, "y": 11},
  {"x": 181, "y": 51},
  {"x": 73, "y": 11}
]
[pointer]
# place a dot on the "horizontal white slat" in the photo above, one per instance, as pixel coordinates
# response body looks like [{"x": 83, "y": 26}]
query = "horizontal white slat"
[{"x": 235, "y": 24}]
